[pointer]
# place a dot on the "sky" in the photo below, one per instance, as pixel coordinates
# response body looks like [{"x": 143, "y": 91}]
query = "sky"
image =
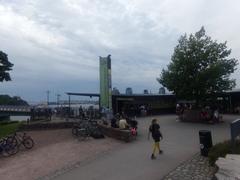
[{"x": 55, "y": 45}]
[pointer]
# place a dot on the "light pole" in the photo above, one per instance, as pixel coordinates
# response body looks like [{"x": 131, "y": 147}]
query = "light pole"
[
  {"x": 48, "y": 92},
  {"x": 58, "y": 99}
]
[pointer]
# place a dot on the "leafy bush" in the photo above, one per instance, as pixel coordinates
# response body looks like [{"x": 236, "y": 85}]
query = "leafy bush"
[{"x": 221, "y": 150}]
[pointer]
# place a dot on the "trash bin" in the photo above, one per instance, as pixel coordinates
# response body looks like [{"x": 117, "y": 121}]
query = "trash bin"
[{"x": 205, "y": 138}]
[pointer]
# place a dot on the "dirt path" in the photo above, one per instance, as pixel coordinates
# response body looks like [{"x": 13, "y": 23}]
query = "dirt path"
[{"x": 53, "y": 150}]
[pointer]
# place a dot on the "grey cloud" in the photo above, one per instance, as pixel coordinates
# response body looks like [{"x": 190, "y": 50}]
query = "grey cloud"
[{"x": 57, "y": 44}]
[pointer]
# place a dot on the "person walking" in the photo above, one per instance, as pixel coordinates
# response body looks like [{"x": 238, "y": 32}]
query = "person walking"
[{"x": 154, "y": 129}]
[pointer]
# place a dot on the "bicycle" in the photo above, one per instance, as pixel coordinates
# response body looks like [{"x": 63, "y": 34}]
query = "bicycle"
[
  {"x": 18, "y": 139},
  {"x": 85, "y": 129},
  {"x": 7, "y": 148},
  {"x": 80, "y": 124}
]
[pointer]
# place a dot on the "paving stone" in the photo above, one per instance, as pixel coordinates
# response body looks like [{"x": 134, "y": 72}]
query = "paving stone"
[{"x": 196, "y": 168}]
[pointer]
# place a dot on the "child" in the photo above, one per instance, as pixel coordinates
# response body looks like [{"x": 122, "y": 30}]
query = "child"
[{"x": 154, "y": 129}]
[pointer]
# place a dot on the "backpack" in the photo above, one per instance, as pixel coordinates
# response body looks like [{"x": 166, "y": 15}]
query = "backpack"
[{"x": 133, "y": 131}]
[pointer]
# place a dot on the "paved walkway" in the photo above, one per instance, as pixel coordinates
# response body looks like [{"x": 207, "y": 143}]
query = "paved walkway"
[{"x": 132, "y": 160}]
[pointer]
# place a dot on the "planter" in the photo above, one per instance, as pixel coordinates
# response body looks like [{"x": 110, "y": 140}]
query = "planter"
[{"x": 124, "y": 135}]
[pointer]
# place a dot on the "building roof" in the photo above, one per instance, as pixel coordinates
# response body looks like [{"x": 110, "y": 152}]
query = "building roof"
[
  {"x": 233, "y": 91},
  {"x": 132, "y": 95},
  {"x": 122, "y": 95},
  {"x": 83, "y": 94}
]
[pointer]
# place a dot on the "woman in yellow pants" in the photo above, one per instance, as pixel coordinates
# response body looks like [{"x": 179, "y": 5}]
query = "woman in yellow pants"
[{"x": 154, "y": 129}]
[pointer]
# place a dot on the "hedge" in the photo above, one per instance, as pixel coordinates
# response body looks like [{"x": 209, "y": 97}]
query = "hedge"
[{"x": 221, "y": 150}]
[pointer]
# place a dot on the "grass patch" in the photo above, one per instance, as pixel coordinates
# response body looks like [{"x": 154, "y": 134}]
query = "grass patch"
[
  {"x": 221, "y": 150},
  {"x": 8, "y": 128},
  {"x": 7, "y": 122}
]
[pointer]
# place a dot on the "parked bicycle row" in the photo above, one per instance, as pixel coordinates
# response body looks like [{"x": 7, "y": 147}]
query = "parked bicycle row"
[
  {"x": 11, "y": 144},
  {"x": 86, "y": 128}
]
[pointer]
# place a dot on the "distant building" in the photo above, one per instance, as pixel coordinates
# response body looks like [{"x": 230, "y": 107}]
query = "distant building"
[
  {"x": 154, "y": 104},
  {"x": 162, "y": 90},
  {"x": 115, "y": 91},
  {"x": 129, "y": 91},
  {"x": 145, "y": 91}
]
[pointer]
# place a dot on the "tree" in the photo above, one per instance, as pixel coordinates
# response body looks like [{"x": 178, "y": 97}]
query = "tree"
[
  {"x": 5, "y": 66},
  {"x": 199, "y": 67},
  {"x": 8, "y": 100}
]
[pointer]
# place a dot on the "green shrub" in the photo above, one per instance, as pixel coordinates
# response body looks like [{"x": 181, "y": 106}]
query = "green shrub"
[
  {"x": 221, "y": 150},
  {"x": 7, "y": 122}
]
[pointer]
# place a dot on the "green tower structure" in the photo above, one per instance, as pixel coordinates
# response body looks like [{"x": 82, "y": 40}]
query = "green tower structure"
[{"x": 105, "y": 82}]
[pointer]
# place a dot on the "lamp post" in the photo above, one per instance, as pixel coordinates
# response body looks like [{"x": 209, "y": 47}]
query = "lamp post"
[
  {"x": 58, "y": 99},
  {"x": 48, "y": 92}
]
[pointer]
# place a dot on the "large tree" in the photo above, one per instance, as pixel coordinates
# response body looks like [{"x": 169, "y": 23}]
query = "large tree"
[
  {"x": 199, "y": 67},
  {"x": 16, "y": 101},
  {"x": 5, "y": 67}
]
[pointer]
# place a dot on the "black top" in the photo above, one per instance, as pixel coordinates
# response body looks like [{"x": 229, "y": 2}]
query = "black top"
[
  {"x": 114, "y": 123},
  {"x": 155, "y": 130}
]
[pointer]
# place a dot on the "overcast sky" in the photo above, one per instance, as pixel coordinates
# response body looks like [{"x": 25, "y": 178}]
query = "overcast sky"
[{"x": 55, "y": 45}]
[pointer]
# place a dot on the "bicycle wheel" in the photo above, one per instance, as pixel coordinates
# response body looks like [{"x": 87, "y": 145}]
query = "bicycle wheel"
[
  {"x": 2, "y": 148},
  {"x": 82, "y": 134},
  {"x": 28, "y": 143},
  {"x": 10, "y": 149},
  {"x": 74, "y": 131},
  {"x": 12, "y": 140}
]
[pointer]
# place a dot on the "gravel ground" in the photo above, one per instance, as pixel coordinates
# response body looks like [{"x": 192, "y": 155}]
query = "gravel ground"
[
  {"x": 196, "y": 168},
  {"x": 53, "y": 150}
]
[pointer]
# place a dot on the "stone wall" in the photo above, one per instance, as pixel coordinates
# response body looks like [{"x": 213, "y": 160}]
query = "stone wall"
[
  {"x": 190, "y": 116},
  {"x": 44, "y": 126}
]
